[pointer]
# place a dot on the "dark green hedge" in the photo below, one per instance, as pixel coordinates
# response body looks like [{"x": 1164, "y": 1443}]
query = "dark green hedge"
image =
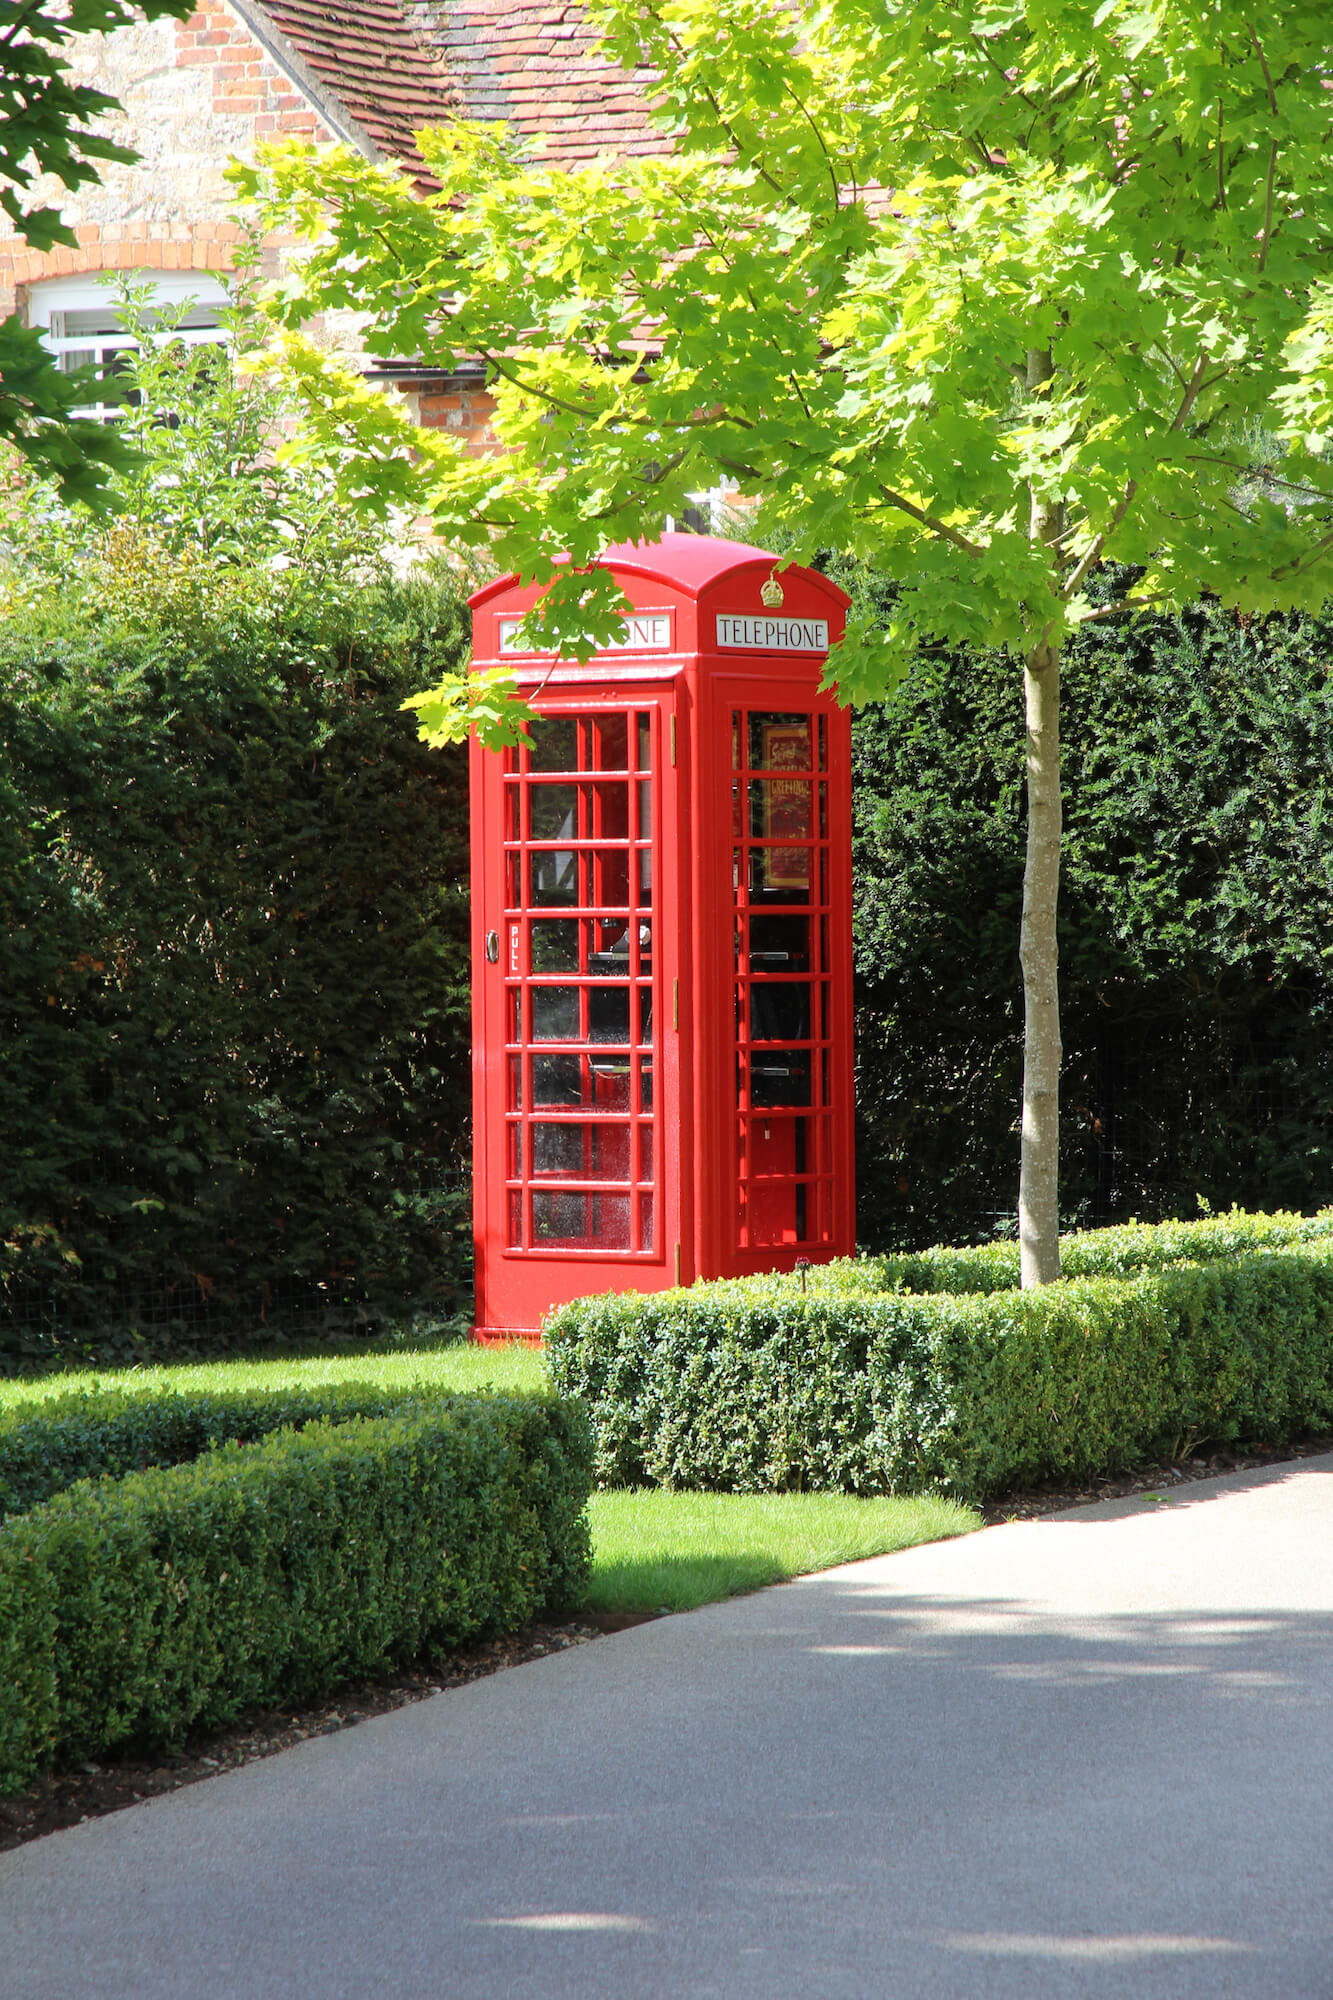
[
  {"x": 134, "y": 1609},
  {"x": 47, "y": 1446},
  {"x": 233, "y": 980},
  {"x": 1196, "y": 911},
  {"x": 756, "y": 1386}
]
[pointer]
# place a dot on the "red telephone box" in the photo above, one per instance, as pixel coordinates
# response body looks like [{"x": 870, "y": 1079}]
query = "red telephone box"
[{"x": 661, "y": 942}]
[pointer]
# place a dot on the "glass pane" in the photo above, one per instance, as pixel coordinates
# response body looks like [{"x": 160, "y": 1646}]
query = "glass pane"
[
  {"x": 779, "y": 944},
  {"x": 580, "y": 1221},
  {"x": 779, "y": 742},
  {"x": 772, "y": 1213},
  {"x": 555, "y": 1013},
  {"x": 610, "y": 812},
  {"x": 611, "y": 743},
  {"x": 514, "y": 1152},
  {"x": 645, "y": 821},
  {"x": 823, "y": 743},
  {"x": 646, "y": 1016},
  {"x": 645, "y": 877},
  {"x": 735, "y": 739},
  {"x": 781, "y": 1079},
  {"x": 646, "y": 1083},
  {"x": 645, "y": 736},
  {"x": 780, "y": 808},
  {"x": 515, "y": 1218},
  {"x": 646, "y": 1153},
  {"x": 780, "y": 874},
  {"x": 557, "y": 1080},
  {"x": 511, "y": 812},
  {"x": 645, "y": 1222},
  {"x": 555, "y": 879},
  {"x": 513, "y": 1030},
  {"x": 560, "y": 1149},
  {"x": 513, "y": 898},
  {"x": 779, "y": 1011},
  {"x": 555, "y": 945},
  {"x": 559, "y": 1217},
  {"x": 610, "y": 1153},
  {"x": 611, "y": 1221},
  {"x": 515, "y": 1093},
  {"x": 610, "y": 1079},
  {"x": 610, "y": 957},
  {"x": 554, "y": 744},
  {"x": 608, "y": 1014},
  {"x": 610, "y": 883},
  {"x": 586, "y": 1152},
  {"x": 554, "y": 812}
]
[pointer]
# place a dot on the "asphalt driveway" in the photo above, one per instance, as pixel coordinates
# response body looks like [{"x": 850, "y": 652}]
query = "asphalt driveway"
[{"x": 1085, "y": 1755}]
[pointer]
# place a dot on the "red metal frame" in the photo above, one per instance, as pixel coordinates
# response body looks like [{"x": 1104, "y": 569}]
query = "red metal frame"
[{"x": 661, "y": 894}]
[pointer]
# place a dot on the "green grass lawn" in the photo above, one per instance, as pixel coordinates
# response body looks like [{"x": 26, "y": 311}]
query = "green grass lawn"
[
  {"x": 652, "y": 1551},
  {"x": 655, "y": 1551},
  {"x": 461, "y": 1366}
]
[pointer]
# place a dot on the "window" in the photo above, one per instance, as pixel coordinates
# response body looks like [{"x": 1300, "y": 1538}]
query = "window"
[{"x": 80, "y": 323}]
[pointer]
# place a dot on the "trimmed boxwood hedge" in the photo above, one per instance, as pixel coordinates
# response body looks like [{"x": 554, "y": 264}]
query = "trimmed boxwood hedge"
[
  {"x": 133, "y": 1609},
  {"x": 761, "y": 1385},
  {"x": 88, "y": 1435},
  {"x": 1123, "y": 1251}
]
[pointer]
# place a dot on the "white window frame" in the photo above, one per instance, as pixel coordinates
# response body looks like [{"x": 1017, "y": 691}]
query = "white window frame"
[{"x": 53, "y": 302}]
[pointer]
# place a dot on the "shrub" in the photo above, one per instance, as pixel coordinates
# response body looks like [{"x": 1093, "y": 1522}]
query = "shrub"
[
  {"x": 1090, "y": 1253},
  {"x": 233, "y": 980},
  {"x": 133, "y": 1609},
  {"x": 754, "y": 1385},
  {"x": 233, "y": 957},
  {"x": 108, "y": 1432},
  {"x": 1195, "y": 908}
]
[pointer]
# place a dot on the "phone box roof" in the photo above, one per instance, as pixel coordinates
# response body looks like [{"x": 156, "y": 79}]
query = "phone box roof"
[{"x": 691, "y": 596}]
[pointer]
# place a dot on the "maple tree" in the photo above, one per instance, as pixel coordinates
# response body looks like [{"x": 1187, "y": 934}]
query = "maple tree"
[{"x": 993, "y": 294}]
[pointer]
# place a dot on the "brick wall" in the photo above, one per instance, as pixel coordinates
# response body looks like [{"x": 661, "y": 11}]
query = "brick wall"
[
  {"x": 193, "y": 94},
  {"x": 465, "y": 413}
]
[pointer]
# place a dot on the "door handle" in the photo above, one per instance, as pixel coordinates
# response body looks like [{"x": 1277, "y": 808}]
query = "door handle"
[{"x": 492, "y": 947}]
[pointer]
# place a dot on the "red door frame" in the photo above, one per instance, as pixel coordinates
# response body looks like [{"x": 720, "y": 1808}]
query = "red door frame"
[
  {"x": 763, "y": 685},
  {"x": 517, "y": 1285}
]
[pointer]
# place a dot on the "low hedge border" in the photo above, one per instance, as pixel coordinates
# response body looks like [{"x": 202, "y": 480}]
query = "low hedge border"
[
  {"x": 752, "y": 1386},
  {"x": 46, "y": 1446},
  {"x": 1120, "y": 1252},
  {"x": 133, "y": 1609}
]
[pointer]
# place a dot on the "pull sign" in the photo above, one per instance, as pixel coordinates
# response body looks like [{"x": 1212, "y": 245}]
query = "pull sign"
[
  {"x": 513, "y": 949},
  {"x": 492, "y": 947}
]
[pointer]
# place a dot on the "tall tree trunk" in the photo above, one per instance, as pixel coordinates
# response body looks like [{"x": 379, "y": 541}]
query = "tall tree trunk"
[
  {"x": 1039, "y": 1179},
  {"x": 1039, "y": 1175}
]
